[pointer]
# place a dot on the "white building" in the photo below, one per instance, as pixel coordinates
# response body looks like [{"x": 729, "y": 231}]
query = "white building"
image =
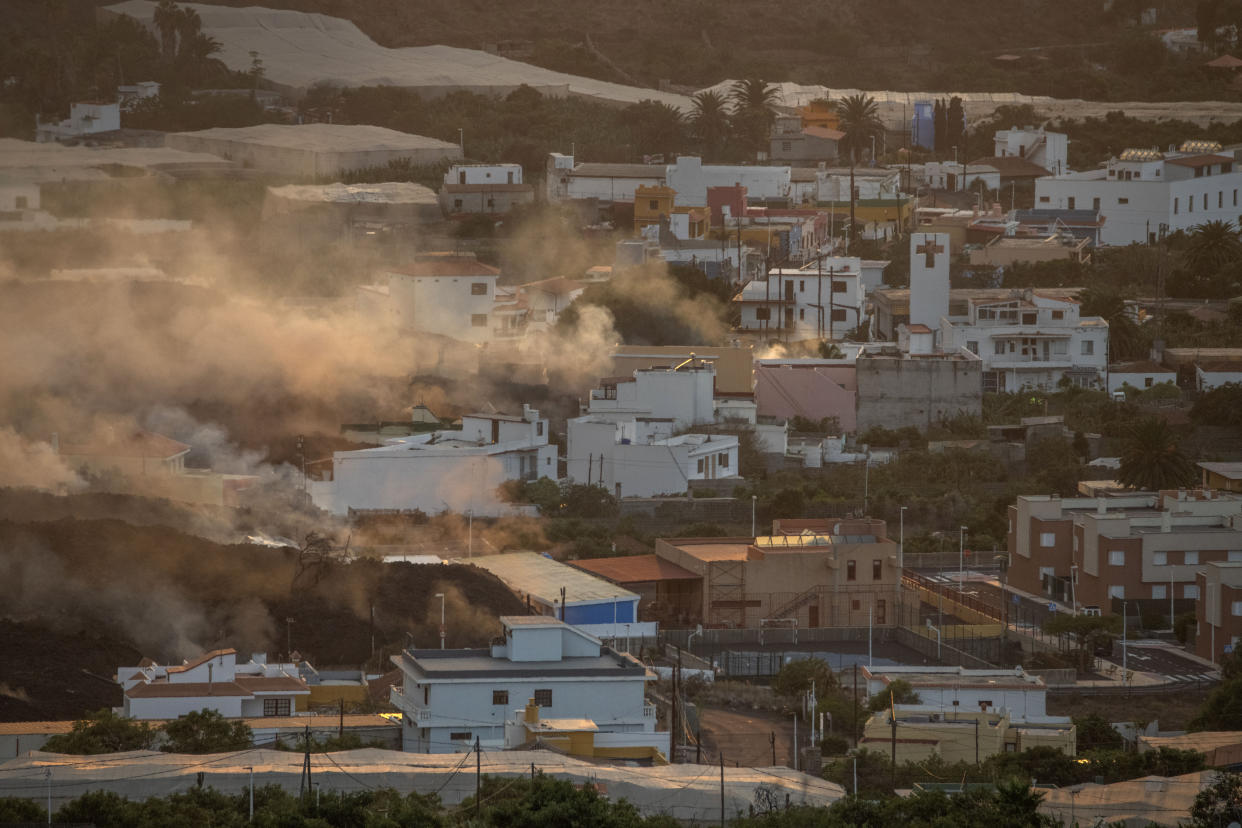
[
  {"x": 471, "y": 174},
  {"x": 1139, "y": 375},
  {"x": 929, "y": 278},
  {"x": 18, "y": 197},
  {"x": 1030, "y": 339},
  {"x": 449, "y": 470},
  {"x": 87, "y": 118},
  {"x": 1049, "y": 150},
  {"x": 1142, "y": 192},
  {"x": 129, "y": 95},
  {"x": 606, "y": 183},
  {"x": 949, "y": 689},
  {"x": 450, "y": 698},
  {"x": 1209, "y": 374},
  {"x": 681, "y": 394},
  {"x": 947, "y": 175},
  {"x": 643, "y": 458},
  {"x": 447, "y": 294},
  {"x": 690, "y": 178},
  {"x": 213, "y": 681},
  {"x": 821, "y": 300},
  {"x": 872, "y": 183}
]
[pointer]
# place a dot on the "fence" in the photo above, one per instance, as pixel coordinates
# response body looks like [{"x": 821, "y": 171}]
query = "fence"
[
  {"x": 938, "y": 650},
  {"x": 1022, "y": 618}
]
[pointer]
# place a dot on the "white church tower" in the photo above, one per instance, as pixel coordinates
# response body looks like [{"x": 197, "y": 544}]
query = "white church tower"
[{"x": 929, "y": 278}]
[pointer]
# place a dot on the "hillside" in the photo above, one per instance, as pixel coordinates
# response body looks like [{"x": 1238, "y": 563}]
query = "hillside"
[
  {"x": 80, "y": 597},
  {"x": 1065, "y": 48}
]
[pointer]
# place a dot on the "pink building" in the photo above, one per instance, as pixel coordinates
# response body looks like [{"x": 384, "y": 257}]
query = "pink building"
[{"x": 810, "y": 388}]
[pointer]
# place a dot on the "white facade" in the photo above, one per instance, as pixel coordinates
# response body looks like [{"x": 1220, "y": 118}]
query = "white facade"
[
  {"x": 450, "y": 470},
  {"x": 18, "y": 197},
  {"x": 1141, "y": 376},
  {"x": 949, "y": 689},
  {"x": 603, "y": 182},
  {"x": 833, "y": 183},
  {"x": 680, "y": 395},
  {"x": 450, "y": 296},
  {"x": 947, "y": 175},
  {"x": 1144, "y": 191},
  {"x": 450, "y": 698},
  {"x": 929, "y": 278},
  {"x": 690, "y": 178},
  {"x": 818, "y": 301},
  {"x": 84, "y": 119},
  {"x": 1209, "y": 376},
  {"x": 213, "y": 681},
  {"x": 484, "y": 174},
  {"x": 642, "y": 458},
  {"x": 1031, "y": 341},
  {"x": 1049, "y": 150}
]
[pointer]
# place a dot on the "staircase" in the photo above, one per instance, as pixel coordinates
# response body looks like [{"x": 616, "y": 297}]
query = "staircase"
[{"x": 798, "y": 602}]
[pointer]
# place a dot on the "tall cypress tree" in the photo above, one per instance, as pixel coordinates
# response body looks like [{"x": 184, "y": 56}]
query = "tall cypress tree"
[
  {"x": 956, "y": 127},
  {"x": 940, "y": 119}
]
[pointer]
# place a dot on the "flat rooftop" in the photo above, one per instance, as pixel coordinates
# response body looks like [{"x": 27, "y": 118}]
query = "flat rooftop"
[
  {"x": 543, "y": 578},
  {"x": 448, "y": 664},
  {"x": 322, "y": 137},
  {"x": 636, "y": 569},
  {"x": 388, "y": 192},
  {"x": 956, "y": 677}
]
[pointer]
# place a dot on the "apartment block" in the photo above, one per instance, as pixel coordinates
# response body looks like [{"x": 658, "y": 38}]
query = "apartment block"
[
  {"x": 1219, "y": 612},
  {"x": 1088, "y": 551}
]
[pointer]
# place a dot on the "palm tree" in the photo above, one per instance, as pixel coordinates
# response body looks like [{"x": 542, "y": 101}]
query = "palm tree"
[
  {"x": 709, "y": 121},
  {"x": 753, "y": 100},
  {"x": 859, "y": 118},
  {"x": 1151, "y": 459},
  {"x": 657, "y": 127},
  {"x": 1125, "y": 339},
  {"x": 189, "y": 24},
  {"x": 1212, "y": 245},
  {"x": 167, "y": 16}
]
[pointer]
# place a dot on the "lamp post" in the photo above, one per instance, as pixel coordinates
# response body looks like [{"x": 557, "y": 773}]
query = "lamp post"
[
  {"x": 1074, "y": 588},
  {"x": 440, "y": 595},
  {"x": 961, "y": 559},
  {"x": 47, "y": 774},
  {"x": 958, "y": 184},
  {"x": 901, "y": 544},
  {"x": 1125, "y": 653},
  {"x": 753, "y": 499},
  {"x": 251, "y": 769}
]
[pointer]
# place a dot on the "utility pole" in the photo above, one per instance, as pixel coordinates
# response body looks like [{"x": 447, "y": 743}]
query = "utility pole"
[
  {"x": 673, "y": 717},
  {"x": 340, "y": 730},
  {"x": 440, "y": 595},
  {"x": 722, "y": 799},
  {"x": 478, "y": 776},
  {"x": 892, "y": 707},
  {"x": 305, "y": 785},
  {"x": 251, "y": 769},
  {"x": 977, "y": 740},
  {"x": 47, "y": 774},
  {"x": 772, "y": 743},
  {"x": 855, "y": 704}
]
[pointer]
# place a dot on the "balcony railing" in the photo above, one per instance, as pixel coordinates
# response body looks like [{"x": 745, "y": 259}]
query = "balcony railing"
[
  {"x": 649, "y": 711},
  {"x": 403, "y": 702}
]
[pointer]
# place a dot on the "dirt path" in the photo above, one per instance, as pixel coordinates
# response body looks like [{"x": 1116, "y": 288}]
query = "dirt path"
[{"x": 745, "y": 737}]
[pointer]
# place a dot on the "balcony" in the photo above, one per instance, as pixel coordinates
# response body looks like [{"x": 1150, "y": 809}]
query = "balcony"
[
  {"x": 404, "y": 703},
  {"x": 1059, "y": 362},
  {"x": 649, "y": 711}
]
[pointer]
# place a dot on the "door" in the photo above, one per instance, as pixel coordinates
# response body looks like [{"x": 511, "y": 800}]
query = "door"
[
  {"x": 881, "y": 612},
  {"x": 789, "y": 318},
  {"x": 813, "y": 616}
]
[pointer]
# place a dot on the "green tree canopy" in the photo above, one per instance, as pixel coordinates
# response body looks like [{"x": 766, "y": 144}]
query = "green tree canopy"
[
  {"x": 1220, "y": 803},
  {"x": 898, "y": 692},
  {"x": 1151, "y": 458},
  {"x": 206, "y": 731},
  {"x": 103, "y": 732},
  {"x": 796, "y": 677}
]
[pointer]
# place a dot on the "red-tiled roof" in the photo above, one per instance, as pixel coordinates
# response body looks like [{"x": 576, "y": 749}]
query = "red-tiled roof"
[
  {"x": 487, "y": 188},
  {"x": 203, "y": 659},
  {"x": 919, "y": 328},
  {"x": 446, "y": 266},
  {"x": 136, "y": 443},
  {"x": 188, "y": 689},
  {"x": 1225, "y": 62},
  {"x": 634, "y": 569},
  {"x": 823, "y": 132},
  {"x": 272, "y": 684},
  {"x": 1206, "y": 160}
]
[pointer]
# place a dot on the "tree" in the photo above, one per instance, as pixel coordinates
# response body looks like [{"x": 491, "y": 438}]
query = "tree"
[
  {"x": 1095, "y": 733},
  {"x": 940, "y": 127},
  {"x": 753, "y": 101},
  {"x": 1222, "y": 710},
  {"x": 1212, "y": 245},
  {"x": 898, "y": 692},
  {"x": 206, "y": 731},
  {"x": 1087, "y": 630},
  {"x": 1055, "y": 466},
  {"x": 657, "y": 127},
  {"x": 103, "y": 732},
  {"x": 188, "y": 25},
  {"x": 796, "y": 677},
  {"x": 858, "y": 117},
  {"x": 709, "y": 122},
  {"x": 1206, "y": 22},
  {"x": 1222, "y": 406},
  {"x": 1151, "y": 459},
  {"x": 166, "y": 18},
  {"x": 1125, "y": 340},
  {"x": 1220, "y": 803},
  {"x": 955, "y": 125}
]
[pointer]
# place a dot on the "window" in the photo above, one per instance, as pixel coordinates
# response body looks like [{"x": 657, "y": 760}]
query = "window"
[
  {"x": 877, "y": 569},
  {"x": 801, "y": 285},
  {"x": 1237, "y": 607},
  {"x": 856, "y": 605},
  {"x": 457, "y": 204},
  {"x": 722, "y": 459},
  {"x": 461, "y": 736},
  {"x": 1220, "y": 198},
  {"x": 851, "y": 571},
  {"x": 1190, "y": 591},
  {"x": 543, "y": 698},
  {"x": 478, "y": 320},
  {"x": 1205, "y": 201},
  {"x": 1060, "y": 347},
  {"x": 1088, "y": 347},
  {"x": 1192, "y": 558},
  {"x": 1148, "y": 382},
  {"x": 1190, "y": 204},
  {"x": 972, "y": 346},
  {"x": 1058, "y": 314},
  {"x": 838, "y": 287},
  {"x": 998, "y": 347},
  {"x": 20, "y": 202},
  {"x": 1047, "y": 539},
  {"x": 838, "y": 314},
  {"x": 1235, "y": 555},
  {"x": 763, "y": 314},
  {"x": 1235, "y": 198},
  {"x": 539, "y": 428},
  {"x": 1043, "y": 199},
  {"x": 801, "y": 313},
  {"x": 1175, "y": 205},
  {"x": 1095, "y": 203},
  {"x": 1029, "y": 318},
  {"x": 1123, "y": 201},
  {"x": 1159, "y": 558},
  {"x": 787, "y": 146},
  {"x": 1118, "y": 591},
  {"x": 1116, "y": 557},
  {"x": 478, "y": 288},
  {"x": 276, "y": 707},
  {"x": 500, "y": 697},
  {"x": 426, "y": 695},
  {"x": 1158, "y": 591},
  {"x": 700, "y": 466},
  {"x": 1070, "y": 202},
  {"x": 653, "y": 205}
]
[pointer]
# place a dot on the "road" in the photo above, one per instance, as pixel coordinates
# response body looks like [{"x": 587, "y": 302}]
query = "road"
[{"x": 745, "y": 737}]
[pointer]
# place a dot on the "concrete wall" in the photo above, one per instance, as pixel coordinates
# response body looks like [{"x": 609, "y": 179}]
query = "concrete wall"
[
  {"x": 896, "y": 391},
  {"x": 304, "y": 162},
  {"x": 444, "y": 305}
]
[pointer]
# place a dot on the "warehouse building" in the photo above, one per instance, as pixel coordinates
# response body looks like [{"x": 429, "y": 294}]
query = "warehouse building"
[{"x": 314, "y": 151}]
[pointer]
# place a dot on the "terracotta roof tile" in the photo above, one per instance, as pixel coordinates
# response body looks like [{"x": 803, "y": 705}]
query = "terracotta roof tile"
[
  {"x": 188, "y": 689},
  {"x": 203, "y": 659},
  {"x": 272, "y": 684},
  {"x": 633, "y": 569}
]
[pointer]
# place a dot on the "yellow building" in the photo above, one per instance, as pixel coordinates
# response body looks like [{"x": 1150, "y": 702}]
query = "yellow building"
[
  {"x": 1225, "y": 477},
  {"x": 655, "y": 204},
  {"x": 966, "y": 736},
  {"x": 819, "y": 113},
  {"x": 581, "y": 737},
  {"x": 880, "y": 214}
]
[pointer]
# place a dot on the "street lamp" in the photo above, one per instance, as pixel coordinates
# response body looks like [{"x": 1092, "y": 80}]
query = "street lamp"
[
  {"x": 440, "y": 595},
  {"x": 1074, "y": 588},
  {"x": 901, "y": 544},
  {"x": 251, "y": 769},
  {"x": 961, "y": 559},
  {"x": 961, "y": 175},
  {"x": 753, "y": 498}
]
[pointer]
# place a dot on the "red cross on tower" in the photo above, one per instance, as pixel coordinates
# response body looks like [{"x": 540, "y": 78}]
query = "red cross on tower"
[{"x": 929, "y": 248}]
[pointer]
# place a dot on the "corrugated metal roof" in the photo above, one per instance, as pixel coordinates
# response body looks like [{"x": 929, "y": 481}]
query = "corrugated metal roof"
[
  {"x": 635, "y": 569},
  {"x": 542, "y": 578}
]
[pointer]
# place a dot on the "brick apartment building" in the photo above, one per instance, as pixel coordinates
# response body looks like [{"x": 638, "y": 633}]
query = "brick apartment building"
[
  {"x": 1219, "y": 612},
  {"x": 1129, "y": 547}
]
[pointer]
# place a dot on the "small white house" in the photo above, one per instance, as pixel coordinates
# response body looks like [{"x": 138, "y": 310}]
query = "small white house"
[
  {"x": 822, "y": 300},
  {"x": 1049, "y": 150},
  {"x": 86, "y": 118},
  {"x": 18, "y": 197},
  {"x": 446, "y": 470},
  {"x": 471, "y": 174},
  {"x": 1209, "y": 375},
  {"x": 1139, "y": 375},
  {"x": 680, "y": 393},
  {"x": 450, "y": 698},
  {"x": 446, "y": 294},
  {"x": 642, "y": 457},
  {"x": 949, "y": 689},
  {"x": 213, "y": 681}
]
